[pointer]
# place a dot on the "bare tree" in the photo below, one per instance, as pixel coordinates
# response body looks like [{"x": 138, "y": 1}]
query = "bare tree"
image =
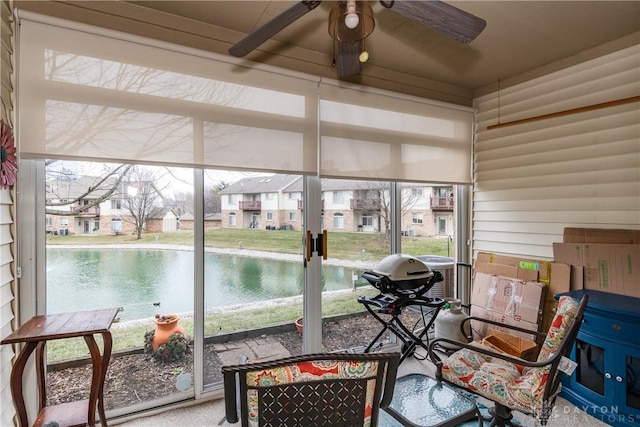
[
  {"x": 378, "y": 199},
  {"x": 143, "y": 199}
]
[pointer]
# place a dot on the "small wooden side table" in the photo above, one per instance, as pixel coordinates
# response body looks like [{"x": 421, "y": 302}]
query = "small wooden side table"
[{"x": 35, "y": 333}]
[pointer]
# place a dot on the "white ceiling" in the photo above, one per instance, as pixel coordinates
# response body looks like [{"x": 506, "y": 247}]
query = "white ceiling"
[{"x": 520, "y": 36}]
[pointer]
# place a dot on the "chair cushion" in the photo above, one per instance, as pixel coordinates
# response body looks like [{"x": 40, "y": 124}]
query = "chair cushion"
[
  {"x": 504, "y": 382},
  {"x": 565, "y": 313},
  {"x": 311, "y": 371},
  {"x": 495, "y": 379}
]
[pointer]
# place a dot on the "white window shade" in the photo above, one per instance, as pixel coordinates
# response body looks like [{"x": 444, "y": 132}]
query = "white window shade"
[
  {"x": 90, "y": 96},
  {"x": 378, "y": 136}
]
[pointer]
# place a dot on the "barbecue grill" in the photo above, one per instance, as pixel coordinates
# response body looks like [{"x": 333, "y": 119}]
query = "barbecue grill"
[
  {"x": 402, "y": 281},
  {"x": 403, "y": 276}
]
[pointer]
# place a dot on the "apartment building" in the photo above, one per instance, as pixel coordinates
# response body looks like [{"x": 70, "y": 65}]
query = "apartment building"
[{"x": 275, "y": 203}]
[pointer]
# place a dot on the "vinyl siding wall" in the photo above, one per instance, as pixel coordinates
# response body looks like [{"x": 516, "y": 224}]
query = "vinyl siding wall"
[
  {"x": 578, "y": 169},
  {"x": 7, "y": 266}
]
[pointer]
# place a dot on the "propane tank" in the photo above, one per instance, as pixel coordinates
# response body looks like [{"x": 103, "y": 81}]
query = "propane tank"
[{"x": 448, "y": 321}]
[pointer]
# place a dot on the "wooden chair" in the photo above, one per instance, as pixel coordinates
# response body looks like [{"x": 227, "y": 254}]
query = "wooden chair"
[
  {"x": 510, "y": 382},
  {"x": 328, "y": 389}
]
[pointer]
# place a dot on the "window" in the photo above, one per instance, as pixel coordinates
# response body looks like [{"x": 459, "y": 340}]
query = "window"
[
  {"x": 232, "y": 219},
  {"x": 231, "y": 198},
  {"x": 268, "y": 196},
  {"x": 49, "y": 220},
  {"x": 338, "y": 220},
  {"x": 417, "y": 192},
  {"x": 116, "y": 225},
  {"x": 269, "y": 216},
  {"x": 292, "y": 216},
  {"x": 292, "y": 196},
  {"x": 367, "y": 220},
  {"x": 338, "y": 197},
  {"x": 417, "y": 217},
  {"x": 116, "y": 204}
]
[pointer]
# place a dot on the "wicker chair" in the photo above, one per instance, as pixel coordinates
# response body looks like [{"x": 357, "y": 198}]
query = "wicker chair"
[
  {"x": 510, "y": 382},
  {"x": 329, "y": 389}
]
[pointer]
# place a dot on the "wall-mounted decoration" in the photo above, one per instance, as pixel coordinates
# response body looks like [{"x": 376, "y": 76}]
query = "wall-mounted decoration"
[{"x": 8, "y": 160}]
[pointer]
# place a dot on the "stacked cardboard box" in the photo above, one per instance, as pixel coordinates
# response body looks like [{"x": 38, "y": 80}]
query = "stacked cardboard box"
[
  {"x": 546, "y": 277},
  {"x": 602, "y": 259},
  {"x": 507, "y": 300}
]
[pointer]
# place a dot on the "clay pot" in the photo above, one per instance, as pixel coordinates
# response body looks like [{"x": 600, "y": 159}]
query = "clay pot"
[
  {"x": 299, "y": 325},
  {"x": 165, "y": 326}
]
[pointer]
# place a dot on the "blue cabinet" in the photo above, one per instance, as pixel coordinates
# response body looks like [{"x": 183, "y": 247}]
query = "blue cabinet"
[{"x": 606, "y": 382}]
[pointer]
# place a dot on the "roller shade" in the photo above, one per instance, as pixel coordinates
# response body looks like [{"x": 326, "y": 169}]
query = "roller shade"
[
  {"x": 91, "y": 96},
  {"x": 381, "y": 136}
]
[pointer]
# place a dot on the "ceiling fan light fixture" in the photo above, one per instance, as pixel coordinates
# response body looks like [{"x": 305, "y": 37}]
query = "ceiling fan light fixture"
[{"x": 350, "y": 21}]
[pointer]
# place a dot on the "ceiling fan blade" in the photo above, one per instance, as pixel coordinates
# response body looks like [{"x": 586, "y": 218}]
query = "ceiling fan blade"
[
  {"x": 271, "y": 28},
  {"x": 348, "y": 61},
  {"x": 441, "y": 16}
]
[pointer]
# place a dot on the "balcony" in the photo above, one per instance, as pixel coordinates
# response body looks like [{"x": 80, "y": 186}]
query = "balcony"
[
  {"x": 250, "y": 205},
  {"x": 84, "y": 211},
  {"x": 441, "y": 203},
  {"x": 365, "y": 204}
]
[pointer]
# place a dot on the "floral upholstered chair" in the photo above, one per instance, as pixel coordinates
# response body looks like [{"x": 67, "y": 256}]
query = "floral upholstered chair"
[
  {"x": 510, "y": 382},
  {"x": 332, "y": 389}
]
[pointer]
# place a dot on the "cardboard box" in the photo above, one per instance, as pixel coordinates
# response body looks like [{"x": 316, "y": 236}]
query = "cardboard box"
[
  {"x": 559, "y": 280},
  {"x": 505, "y": 270},
  {"x": 601, "y": 235},
  {"x": 516, "y": 298},
  {"x": 609, "y": 268},
  {"x": 481, "y": 329},
  {"x": 511, "y": 344},
  {"x": 540, "y": 267}
]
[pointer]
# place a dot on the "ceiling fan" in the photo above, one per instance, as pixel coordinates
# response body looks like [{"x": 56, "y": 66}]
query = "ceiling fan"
[{"x": 350, "y": 22}]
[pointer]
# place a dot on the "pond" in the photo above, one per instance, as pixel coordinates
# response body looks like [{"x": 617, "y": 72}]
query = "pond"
[{"x": 146, "y": 282}]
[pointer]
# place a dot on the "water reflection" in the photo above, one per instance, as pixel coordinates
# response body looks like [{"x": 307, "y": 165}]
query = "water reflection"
[{"x": 146, "y": 282}]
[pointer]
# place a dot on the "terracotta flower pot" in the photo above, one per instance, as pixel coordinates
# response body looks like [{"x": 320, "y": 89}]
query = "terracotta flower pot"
[
  {"x": 165, "y": 326},
  {"x": 299, "y": 325}
]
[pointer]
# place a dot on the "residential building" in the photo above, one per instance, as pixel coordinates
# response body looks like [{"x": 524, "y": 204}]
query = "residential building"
[
  {"x": 81, "y": 206},
  {"x": 275, "y": 202}
]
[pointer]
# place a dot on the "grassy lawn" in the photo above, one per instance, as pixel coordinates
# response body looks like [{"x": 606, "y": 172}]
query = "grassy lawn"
[
  {"x": 133, "y": 336},
  {"x": 340, "y": 245},
  {"x": 350, "y": 246}
]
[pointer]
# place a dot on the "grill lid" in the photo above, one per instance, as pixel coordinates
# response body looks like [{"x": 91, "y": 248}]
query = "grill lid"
[
  {"x": 402, "y": 267},
  {"x": 403, "y": 276}
]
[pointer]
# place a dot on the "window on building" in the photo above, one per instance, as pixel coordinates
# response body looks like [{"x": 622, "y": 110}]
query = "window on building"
[
  {"x": 116, "y": 204},
  {"x": 269, "y": 216},
  {"x": 232, "y": 219},
  {"x": 292, "y": 216},
  {"x": 417, "y": 192},
  {"x": 116, "y": 225},
  {"x": 338, "y": 197},
  {"x": 367, "y": 220},
  {"x": 338, "y": 220},
  {"x": 231, "y": 198},
  {"x": 268, "y": 196},
  {"x": 417, "y": 217}
]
